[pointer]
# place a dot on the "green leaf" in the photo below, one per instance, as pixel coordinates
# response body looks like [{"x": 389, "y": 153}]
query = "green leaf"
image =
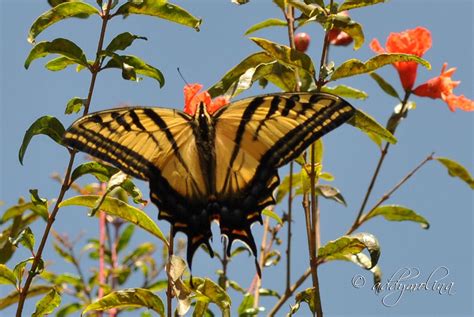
[
  {"x": 7, "y": 276},
  {"x": 398, "y": 213},
  {"x": 232, "y": 76},
  {"x": 268, "y": 292},
  {"x": 308, "y": 9},
  {"x": 270, "y": 213},
  {"x": 246, "y": 304},
  {"x": 131, "y": 297},
  {"x": 124, "y": 62},
  {"x": 308, "y": 296},
  {"x": 15, "y": 211},
  {"x": 19, "y": 269},
  {"x": 345, "y": 92},
  {"x": 47, "y": 125},
  {"x": 272, "y": 258},
  {"x": 26, "y": 238},
  {"x": 208, "y": 291},
  {"x": 331, "y": 192},
  {"x": 354, "y": 67},
  {"x": 60, "y": 12},
  {"x": 59, "y": 46},
  {"x": 13, "y": 297},
  {"x": 122, "y": 41},
  {"x": 344, "y": 247},
  {"x": 160, "y": 9},
  {"x": 284, "y": 186},
  {"x": 19, "y": 223},
  {"x": 68, "y": 309},
  {"x": 40, "y": 204},
  {"x": 385, "y": 86},
  {"x": 367, "y": 124},
  {"x": 140, "y": 251},
  {"x": 234, "y": 285},
  {"x": 62, "y": 253},
  {"x": 47, "y": 304},
  {"x": 74, "y": 105},
  {"x": 59, "y": 63},
  {"x": 265, "y": 24},
  {"x": 286, "y": 55},
  {"x": 101, "y": 171},
  {"x": 118, "y": 208},
  {"x": 125, "y": 237},
  {"x": 353, "y": 4},
  {"x": 457, "y": 170}
]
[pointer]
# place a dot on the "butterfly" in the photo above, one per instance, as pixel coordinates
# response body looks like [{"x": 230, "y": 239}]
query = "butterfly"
[{"x": 219, "y": 165}]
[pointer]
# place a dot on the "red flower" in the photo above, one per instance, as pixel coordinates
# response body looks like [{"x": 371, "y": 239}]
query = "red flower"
[
  {"x": 441, "y": 87},
  {"x": 192, "y": 99},
  {"x": 338, "y": 37},
  {"x": 416, "y": 41}
]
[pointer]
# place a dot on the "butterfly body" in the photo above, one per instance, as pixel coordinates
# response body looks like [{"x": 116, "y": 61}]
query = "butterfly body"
[{"x": 220, "y": 166}]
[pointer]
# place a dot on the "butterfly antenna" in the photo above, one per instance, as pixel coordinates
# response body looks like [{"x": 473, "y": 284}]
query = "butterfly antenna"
[{"x": 182, "y": 77}]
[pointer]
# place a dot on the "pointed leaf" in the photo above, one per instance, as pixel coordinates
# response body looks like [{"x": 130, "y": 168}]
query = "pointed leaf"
[
  {"x": 208, "y": 291},
  {"x": 265, "y": 24},
  {"x": 131, "y": 297},
  {"x": 68, "y": 309},
  {"x": 160, "y": 9},
  {"x": 122, "y": 41},
  {"x": 367, "y": 124},
  {"x": 284, "y": 186},
  {"x": 222, "y": 86},
  {"x": 270, "y": 213},
  {"x": 137, "y": 65},
  {"x": 59, "y": 63},
  {"x": 345, "y": 92},
  {"x": 353, "y": 4},
  {"x": 15, "y": 211},
  {"x": 26, "y": 238},
  {"x": 47, "y": 304},
  {"x": 60, "y": 12},
  {"x": 384, "y": 85},
  {"x": 74, "y": 105},
  {"x": 47, "y": 125},
  {"x": 13, "y": 297},
  {"x": 59, "y": 46},
  {"x": 7, "y": 276},
  {"x": 457, "y": 170},
  {"x": 125, "y": 237},
  {"x": 286, "y": 55},
  {"x": 346, "y": 24},
  {"x": 344, "y": 247},
  {"x": 101, "y": 171},
  {"x": 331, "y": 192},
  {"x": 398, "y": 213},
  {"x": 118, "y": 208},
  {"x": 354, "y": 67},
  {"x": 246, "y": 304}
]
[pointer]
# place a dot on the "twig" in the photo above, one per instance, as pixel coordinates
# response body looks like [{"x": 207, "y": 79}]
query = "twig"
[
  {"x": 387, "y": 195},
  {"x": 383, "y": 154},
  {"x": 23, "y": 292},
  {"x": 225, "y": 261},
  {"x": 169, "y": 291},
  {"x": 263, "y": 251},
  {"x": 290, "y": 219}
]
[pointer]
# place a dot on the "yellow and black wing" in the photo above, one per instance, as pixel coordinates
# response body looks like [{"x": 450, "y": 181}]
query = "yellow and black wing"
[
  {"x": 255, "y": 136},
  {"x": 141, "y": 141}
]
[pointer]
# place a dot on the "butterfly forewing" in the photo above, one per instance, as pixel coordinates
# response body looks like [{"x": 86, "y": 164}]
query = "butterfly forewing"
[{"x": 143, "y": 142}]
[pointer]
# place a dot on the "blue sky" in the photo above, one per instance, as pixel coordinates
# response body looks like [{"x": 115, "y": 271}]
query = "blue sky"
[{"x": 204, "y": 57}]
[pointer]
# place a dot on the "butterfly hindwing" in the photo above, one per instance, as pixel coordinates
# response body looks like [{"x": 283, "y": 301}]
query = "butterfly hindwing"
[{"x": 257, "y": 135}]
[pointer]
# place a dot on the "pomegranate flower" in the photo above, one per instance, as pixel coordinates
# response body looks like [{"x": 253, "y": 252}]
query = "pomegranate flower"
[
  {"x": 193, "y": 97},
  {"x": 415, "y": 41},
  {"x": 441, "y": 87}
]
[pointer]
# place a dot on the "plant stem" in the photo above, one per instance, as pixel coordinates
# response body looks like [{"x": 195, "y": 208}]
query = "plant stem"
[
  {"x": 263, "y": 250},
  {"x": 388, "y": 194},
  {"x": 225, "y": 261},
  {"x": 169, "y": 291},
  {"x": 290, "y": 217},
  {"x": 23, "y": 292},
  {"x": 383, "y": 155}
]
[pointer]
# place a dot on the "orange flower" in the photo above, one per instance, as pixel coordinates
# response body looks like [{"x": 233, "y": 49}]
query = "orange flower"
[
  {"x": 441, "y": 87},
  {"x": 192, "y": 99},
  {"x": 416, "y": 41},
  {"x": 338, "y": 37}
]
